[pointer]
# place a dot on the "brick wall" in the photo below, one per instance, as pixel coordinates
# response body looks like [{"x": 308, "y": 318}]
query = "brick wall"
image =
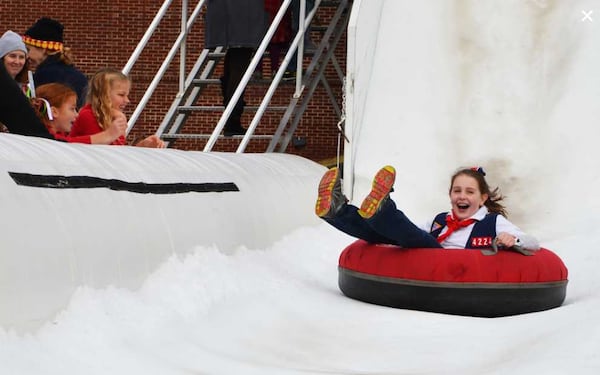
[{"x": 105, "y": 33}]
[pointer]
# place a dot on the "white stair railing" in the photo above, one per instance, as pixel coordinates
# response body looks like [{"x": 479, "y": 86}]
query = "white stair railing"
[{"x": 179, "y": 45}]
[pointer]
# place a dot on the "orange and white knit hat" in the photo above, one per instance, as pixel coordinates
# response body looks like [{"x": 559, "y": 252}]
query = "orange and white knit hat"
[{"x": 45, "y": 33}]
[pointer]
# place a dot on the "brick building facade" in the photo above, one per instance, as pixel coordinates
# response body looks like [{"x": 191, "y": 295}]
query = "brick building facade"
[{"x": 105, "y": 33}]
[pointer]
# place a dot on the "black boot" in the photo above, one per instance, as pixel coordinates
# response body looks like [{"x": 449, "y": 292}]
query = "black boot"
[
  {"x": 233, "y": 127},
  {"x": 234, "y": 123}
]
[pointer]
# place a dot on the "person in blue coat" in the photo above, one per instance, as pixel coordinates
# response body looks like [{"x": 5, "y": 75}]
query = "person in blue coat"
[
  {"x": 477, "y": 219},
  {"x": 50, "y": 60}
]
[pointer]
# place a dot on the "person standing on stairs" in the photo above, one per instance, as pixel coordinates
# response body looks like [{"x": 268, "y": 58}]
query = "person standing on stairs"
[
  {"x": 309, "y": 45},
  {"x": 239, "y": 26},
  {"x": 281, "y": 39}
]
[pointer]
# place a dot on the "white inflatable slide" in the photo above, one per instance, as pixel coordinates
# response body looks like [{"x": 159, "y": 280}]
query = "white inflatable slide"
[{"x": 75, "y": 215}]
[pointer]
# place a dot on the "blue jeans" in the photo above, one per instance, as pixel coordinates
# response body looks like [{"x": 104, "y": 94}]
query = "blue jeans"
[{"x": 388, "y": 226}]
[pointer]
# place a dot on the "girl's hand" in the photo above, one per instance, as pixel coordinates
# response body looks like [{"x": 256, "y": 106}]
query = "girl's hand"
[
  {"x": 152, "y": 142},
  {"x": 506, "y": 239},
  {"x": 118, "y": 126}
]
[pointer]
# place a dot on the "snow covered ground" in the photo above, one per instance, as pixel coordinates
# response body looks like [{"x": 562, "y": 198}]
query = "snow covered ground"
[{"x": 511, "y": 85}]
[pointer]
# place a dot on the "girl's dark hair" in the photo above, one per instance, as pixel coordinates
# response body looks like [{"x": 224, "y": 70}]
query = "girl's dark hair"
[{"x": 494, "y": 196}]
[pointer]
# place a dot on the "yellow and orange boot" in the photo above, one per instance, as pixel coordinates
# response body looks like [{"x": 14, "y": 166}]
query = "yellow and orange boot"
[
  {"x": 330, "y": 198},
  {"x": 383, "y": 184}
]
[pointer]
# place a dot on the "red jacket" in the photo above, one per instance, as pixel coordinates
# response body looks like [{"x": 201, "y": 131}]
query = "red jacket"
[
  {"x": 283, "y": 34},
  {"x": 68, "y": 138},
  {"x": 87, "y": 124}
]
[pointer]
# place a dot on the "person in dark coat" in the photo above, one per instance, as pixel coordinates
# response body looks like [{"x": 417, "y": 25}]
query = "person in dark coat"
[
  {"x": 15, "y": 111},
  {"x": 239, "y": 26},
  {"x": 20, "y": 117},
  {"x": 50, "y": 60}
]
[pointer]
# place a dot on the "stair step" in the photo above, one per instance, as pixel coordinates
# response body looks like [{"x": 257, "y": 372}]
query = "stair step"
[
  {"x": 330, "y": 3},
  {"x": 216, "y": 55},
  {"x": 320, "y": 28},
  {"x": 206, "y": 81},
  {"x": 220, "y": 108},
  {"x": 206, "y": 136},
  {"x": 255, "y": 80}
]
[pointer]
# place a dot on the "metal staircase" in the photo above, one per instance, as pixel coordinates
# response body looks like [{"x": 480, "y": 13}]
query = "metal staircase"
[{"x": 201, "y": 77}]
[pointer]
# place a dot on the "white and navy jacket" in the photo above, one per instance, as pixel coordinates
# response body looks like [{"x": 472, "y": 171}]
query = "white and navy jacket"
[{"x": 479, "y": 234}]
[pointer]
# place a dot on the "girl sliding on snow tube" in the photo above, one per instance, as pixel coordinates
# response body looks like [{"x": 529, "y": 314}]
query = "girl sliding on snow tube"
[{"x": 477, "y": 219}]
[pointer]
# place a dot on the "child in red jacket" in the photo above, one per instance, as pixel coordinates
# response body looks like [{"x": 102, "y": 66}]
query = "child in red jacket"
[
  {"x": 108, "y": 97},
  {"x": 56, "y": 105}
]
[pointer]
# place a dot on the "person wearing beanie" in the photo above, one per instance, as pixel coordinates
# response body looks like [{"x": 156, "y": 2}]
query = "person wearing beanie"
[
  {"x": 50, "y": 60},
  {"x": 13, "y": 54}
]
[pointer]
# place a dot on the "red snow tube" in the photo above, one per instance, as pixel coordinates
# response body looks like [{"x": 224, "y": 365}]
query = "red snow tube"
[{"x": 453, "y": 281}]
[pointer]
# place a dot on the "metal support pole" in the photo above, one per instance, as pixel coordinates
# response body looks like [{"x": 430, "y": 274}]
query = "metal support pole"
[
  {"x": 142, "y": 44},
  {"x": 300, "y": 51},
  {"x": 182, "y": 50}
]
